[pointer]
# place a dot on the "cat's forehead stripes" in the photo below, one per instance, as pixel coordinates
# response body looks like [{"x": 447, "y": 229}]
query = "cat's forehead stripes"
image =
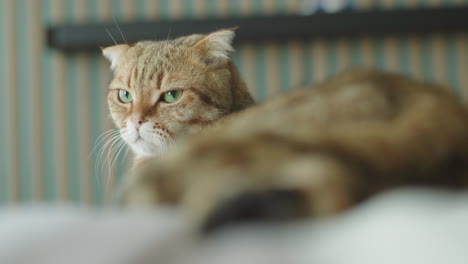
[
  {"x": 159, "y": 80},
  {"x": 129, "y": 81},
  {"x": 142, "y": 76},
  {"x": 135, "y": 73}
]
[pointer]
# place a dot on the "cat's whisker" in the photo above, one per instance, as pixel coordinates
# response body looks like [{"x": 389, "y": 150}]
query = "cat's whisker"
[
  {"x": 114, "y": 142},
  {"x": 105, "y": 137},
  {"x": 112, "y": 37},
  {"x": 104, "y": 150},
  {"x": 120, "y": 145},
  {"x": 165, "y": 147},
  {"x": 110, "y": 157},
  {"x": 167, "y": 142},
  {"x": 121, "y": 33},
  {"x": 101, "y": 138},
  {"x": 169, "y": 34},
  {"x": 126, "y": 153},
  {"x": 162, "y": 143},
  {"x": 108, "y": 146},
  {"x": 171, "y": 141}
]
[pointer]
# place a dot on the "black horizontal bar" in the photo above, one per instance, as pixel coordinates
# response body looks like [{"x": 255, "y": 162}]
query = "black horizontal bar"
[{"x": 276, "y": 28}]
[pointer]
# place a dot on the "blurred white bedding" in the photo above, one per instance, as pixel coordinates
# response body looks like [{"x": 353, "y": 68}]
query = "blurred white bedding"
[{"x": 405, "y": 226}]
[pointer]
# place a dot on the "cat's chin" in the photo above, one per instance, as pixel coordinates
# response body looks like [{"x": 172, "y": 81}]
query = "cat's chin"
[{"x": 143, "y": 149}]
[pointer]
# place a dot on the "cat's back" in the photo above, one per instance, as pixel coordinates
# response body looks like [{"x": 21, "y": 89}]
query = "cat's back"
[{"x": 350, "y": 97}]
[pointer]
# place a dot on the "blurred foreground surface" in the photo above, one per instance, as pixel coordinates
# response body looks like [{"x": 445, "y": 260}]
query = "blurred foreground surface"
[{"x": 405, "y": 226}]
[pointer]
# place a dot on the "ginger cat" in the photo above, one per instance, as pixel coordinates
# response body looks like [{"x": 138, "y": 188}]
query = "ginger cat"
[
  {"x": 165, "y": 90},
  {"x": 314, "y": 152}
]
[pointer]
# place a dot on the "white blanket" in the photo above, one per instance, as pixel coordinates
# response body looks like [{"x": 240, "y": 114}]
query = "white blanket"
[{"x": 407, "y": 226}]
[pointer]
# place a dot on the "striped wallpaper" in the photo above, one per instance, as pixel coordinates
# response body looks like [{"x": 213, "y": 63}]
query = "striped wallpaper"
[{"x": 53, "y": 106}]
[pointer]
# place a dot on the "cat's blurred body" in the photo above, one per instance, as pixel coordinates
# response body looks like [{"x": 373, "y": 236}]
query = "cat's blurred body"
[{"x": 314, "y": 152}]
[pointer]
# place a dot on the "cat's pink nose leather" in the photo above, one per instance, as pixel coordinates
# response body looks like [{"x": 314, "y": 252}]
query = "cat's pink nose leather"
[{"x": 138, "y": 121}]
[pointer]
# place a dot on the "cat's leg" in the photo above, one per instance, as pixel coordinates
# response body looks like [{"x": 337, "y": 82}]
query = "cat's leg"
[
  {"x": 220, "y": 182},
  {"x": 299, "y": 186}
]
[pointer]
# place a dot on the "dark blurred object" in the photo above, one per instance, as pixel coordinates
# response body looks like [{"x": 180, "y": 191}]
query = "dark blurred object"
[{"x": 277, "y": 28}]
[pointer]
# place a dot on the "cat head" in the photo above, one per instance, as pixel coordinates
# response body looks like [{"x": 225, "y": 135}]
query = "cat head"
[{"x": 163, "y": 90}]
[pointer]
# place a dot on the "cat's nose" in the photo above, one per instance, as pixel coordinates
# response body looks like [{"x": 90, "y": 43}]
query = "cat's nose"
[{"x": 138, "y": 121}]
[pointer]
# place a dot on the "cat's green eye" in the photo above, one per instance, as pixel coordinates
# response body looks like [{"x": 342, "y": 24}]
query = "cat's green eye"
[
  {"x": 125, "y": 97},
  {"x": 172, "y": 96}
]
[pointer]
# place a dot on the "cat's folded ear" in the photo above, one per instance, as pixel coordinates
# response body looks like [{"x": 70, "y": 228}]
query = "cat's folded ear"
[
  {"x": 216, "y": 47},
  {"x": 114, "y": 53}
]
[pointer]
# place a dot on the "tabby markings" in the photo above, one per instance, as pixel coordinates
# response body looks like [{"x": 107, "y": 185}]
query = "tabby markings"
[{"x": 206, "y": 99}]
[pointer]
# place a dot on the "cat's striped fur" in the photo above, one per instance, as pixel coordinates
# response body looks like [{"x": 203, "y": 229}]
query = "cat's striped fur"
[{"x": 314, "y": 152}]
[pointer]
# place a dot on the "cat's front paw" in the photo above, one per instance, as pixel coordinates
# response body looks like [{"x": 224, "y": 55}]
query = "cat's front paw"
[
  {"x": 299, "y": 187},
  {"x": 213, "y": 193}
]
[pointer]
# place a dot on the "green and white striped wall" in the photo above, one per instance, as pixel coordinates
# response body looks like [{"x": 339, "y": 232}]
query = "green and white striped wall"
[{"x": 53, "y": 105}]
